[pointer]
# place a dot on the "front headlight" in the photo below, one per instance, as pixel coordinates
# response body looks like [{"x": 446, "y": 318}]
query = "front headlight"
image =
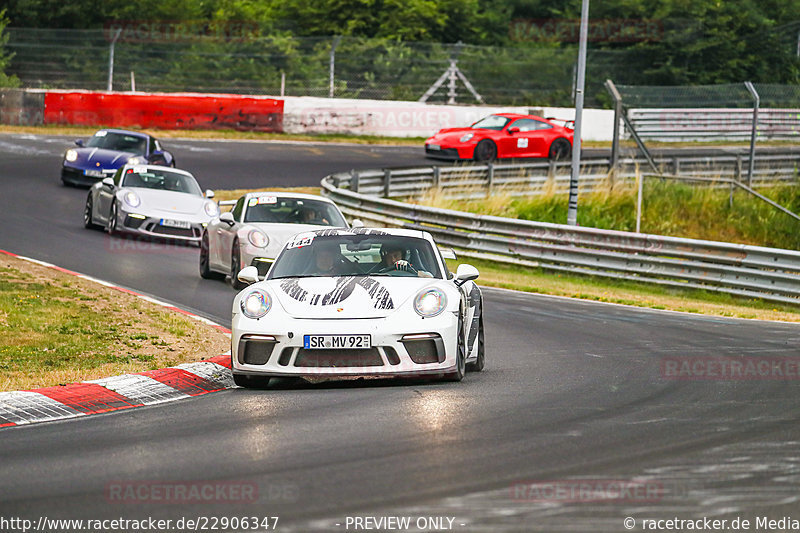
[
  {"x": 211, "y": 209},
  {"x": 71, "y": 155},
  {"x": 257, "y": 238},
  {"x": 132, "y": 199},
  {"x": 137, "y": 160},
  {"x": 430, "y": 302},
  {"x": 465, "y": 138},
  {"x": 255, "y": 304}
]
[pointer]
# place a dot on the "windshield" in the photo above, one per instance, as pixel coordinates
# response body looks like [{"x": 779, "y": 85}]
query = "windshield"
[
  {"x": 119, "y": 141},
  {"x": 147, "y": 178},
  {"x": 268, "y": 208},
  {"x": 492, "y": 122},
  {"x": 309, "y": 255}
]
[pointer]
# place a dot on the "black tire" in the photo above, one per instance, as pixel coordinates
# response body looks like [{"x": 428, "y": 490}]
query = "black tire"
[
  {"x": 461, "y": 357},
  {"x": 205, "y": 269},
  {"x": 560, "y": 150},
  {"x": 236, "y": 267},
  {"x": 486, "y": 150},
  {"x": 479, "y": 363},
  {"x": 111, "y": 226},
  {"x": 87, "y": 214},
  {"x": 250, "y": 382}
]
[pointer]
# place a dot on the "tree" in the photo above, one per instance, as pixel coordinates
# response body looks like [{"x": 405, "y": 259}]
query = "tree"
[{"x": 5, "y": 58}]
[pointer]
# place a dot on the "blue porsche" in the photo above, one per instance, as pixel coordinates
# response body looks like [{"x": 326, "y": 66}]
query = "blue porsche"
[{"x": 106, "y": 151}]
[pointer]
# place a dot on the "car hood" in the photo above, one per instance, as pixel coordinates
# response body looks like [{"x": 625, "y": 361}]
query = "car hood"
[
  {"x": 90, "y": 156},
  {"x": 345, "y": 296},
  {"x": 168, "y": 202},
  {"x": 454, "y": 134}
]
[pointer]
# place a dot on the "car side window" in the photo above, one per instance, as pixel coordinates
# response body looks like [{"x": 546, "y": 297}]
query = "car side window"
[
  {"x": 527, "y": 124},
  {"x": 118, "y": 177},
  {"x": 153, "y": 147},
  {"x": 237, "y": 210}
]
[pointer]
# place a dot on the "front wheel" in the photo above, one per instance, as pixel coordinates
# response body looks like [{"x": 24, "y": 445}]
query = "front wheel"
[
  {"x": 477, "y": 365},
  {"x": 461, "y": 356},
  {"x": 112, "y": 219},
  {"x": 236, "y": 267},
  {"x": 247, "y": 382},
  {"x": 560, "y": 150},
  {"x": 87, "y": 214},
  {"x": 485, "y": 150},
  {"x": 205, "y": 267}
]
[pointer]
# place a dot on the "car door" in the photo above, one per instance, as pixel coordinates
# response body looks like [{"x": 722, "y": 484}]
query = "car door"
[
  {"x": 225, "y": 234},
  {"x": 105, "y": 195},
  {"x": 530, "y": 137}
]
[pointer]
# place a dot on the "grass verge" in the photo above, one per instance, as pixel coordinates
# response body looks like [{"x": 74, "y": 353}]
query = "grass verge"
[
  {"x": 57, "y": 329},
  {"x": 624, "y": 292}
]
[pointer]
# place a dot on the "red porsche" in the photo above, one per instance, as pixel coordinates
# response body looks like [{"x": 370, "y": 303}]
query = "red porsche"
[{"x": 501, "y": 136}]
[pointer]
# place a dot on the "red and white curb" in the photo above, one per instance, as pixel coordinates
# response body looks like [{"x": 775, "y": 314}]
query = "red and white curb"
[{"x": 118, "y": 392}]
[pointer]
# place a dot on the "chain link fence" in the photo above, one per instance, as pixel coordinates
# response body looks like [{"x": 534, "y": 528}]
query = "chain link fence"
[{"x": 236, "y": 60}]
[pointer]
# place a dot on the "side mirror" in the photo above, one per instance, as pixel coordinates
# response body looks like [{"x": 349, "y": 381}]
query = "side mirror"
[
  {"x": 513, "y": 130},
  {"x": 108, "y": 182},
  {"x": 209, "y": 193},
  {"x": 248, "y": 275},
  {"x": 465, "y": 273},
  {"x": 79, "y": 142},
  {"x": 227, "y": 217},
  {"x": 357, "y": 223}
]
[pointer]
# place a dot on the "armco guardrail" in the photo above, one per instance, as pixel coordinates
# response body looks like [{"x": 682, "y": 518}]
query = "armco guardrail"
[
  {"x": 750, "y": 271},
  {"x": 457, "y": 181}
]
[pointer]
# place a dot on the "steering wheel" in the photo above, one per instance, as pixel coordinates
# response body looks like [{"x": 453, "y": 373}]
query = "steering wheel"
[{"x": 393, "y": 268}]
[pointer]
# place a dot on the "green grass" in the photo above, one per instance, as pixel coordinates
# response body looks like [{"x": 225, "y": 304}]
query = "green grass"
[
  {"x": 669, "y": 208},
  {"x": 624, "y": 292},
  {"x": 48, "y": 327}
]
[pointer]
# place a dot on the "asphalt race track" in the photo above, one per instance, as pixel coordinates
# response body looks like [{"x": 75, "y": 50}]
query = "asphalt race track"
[{"x": 575, "y": 394}]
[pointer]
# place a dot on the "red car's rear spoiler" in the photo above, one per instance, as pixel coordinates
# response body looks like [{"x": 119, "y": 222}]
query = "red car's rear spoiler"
[{"x": 567, "y": 123}]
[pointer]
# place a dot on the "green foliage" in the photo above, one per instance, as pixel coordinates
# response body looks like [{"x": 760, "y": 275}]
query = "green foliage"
[{"x": 5, "y": 58}]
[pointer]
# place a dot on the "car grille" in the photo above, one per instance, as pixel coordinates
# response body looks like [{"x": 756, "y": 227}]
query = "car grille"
[
  {"x": 255, "y": 351},
  {"x": 174, "y": 232},
  {"x": 444, "y": 153},
  {"x": 423, "y": 350},
  {"x": 131, "y": 222},
  {"x": 338, "y": 358}
]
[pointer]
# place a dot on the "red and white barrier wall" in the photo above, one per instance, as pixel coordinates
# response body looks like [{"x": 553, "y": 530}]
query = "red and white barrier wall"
[{"x": 297, "y": 114}]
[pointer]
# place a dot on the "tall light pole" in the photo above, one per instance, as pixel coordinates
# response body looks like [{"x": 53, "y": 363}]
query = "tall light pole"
[{"x": 572, "y": 209}]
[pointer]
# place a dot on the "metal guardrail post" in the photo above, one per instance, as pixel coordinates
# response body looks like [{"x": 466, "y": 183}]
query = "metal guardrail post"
[
  {"x": 676, "y": 165},
  {"x": 387, "y": 182},
  {"x": 354, "y": 180},
  {"x": 436, "y": 176},
  {"x": 612, "y": 89},
  {"x": 756, "y": 102},
  {"x": 489, "y": 179}
]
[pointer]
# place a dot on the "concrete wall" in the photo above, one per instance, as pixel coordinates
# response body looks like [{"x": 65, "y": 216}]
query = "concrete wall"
[{"x": 413, "y": 119}]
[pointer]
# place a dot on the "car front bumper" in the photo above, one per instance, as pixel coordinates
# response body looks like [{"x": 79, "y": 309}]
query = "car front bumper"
[
  {"x": 275, "y": 347},
  {"x": 78, "y": 176},
  {"x": 152, "y": 225}
]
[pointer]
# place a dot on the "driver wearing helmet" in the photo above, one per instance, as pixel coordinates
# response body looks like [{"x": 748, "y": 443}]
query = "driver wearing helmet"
[{"x": 393, "y": 258}]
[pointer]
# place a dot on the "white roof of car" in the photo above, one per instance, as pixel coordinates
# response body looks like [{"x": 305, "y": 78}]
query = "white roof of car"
[{"x": 286, "y": 194}]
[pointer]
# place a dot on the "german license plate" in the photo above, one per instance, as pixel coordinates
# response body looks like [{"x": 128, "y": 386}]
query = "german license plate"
[
  {"x": 175, "y": 223},
  {"x": 94, "y": 173},
  {"x": 336, "y": 342},
  {"x": 434, "y": 147}
]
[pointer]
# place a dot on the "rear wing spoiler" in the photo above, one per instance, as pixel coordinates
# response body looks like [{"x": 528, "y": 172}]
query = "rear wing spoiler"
[{"x": 568, "y": 123}]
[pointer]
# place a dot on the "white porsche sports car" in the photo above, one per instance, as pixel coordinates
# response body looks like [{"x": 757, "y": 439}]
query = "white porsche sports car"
[
  {"x": 254, "y": 231},
  {"x": 358, "y": 302},
  {"x": 150, "y": 200}
]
